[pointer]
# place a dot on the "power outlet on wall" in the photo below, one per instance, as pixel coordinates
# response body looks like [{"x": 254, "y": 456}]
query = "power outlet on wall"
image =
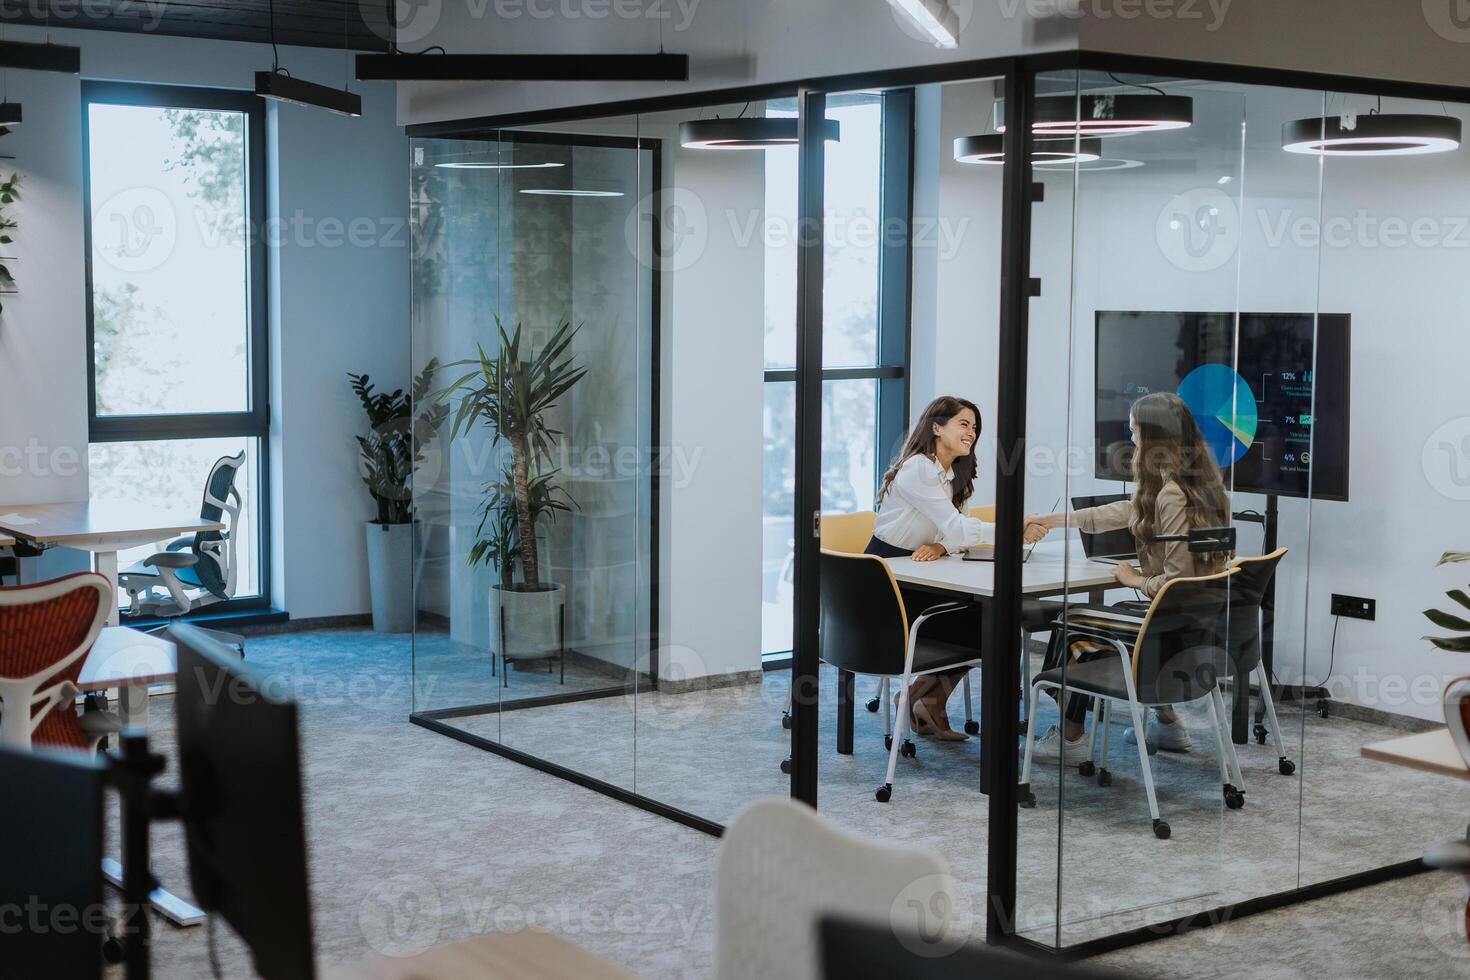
[{"x": 1354, "y": 607}]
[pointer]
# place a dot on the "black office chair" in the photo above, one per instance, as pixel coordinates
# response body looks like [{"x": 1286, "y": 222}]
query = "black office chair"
[
  {"x": 1247, "y": 589},
  {"x": 865, "y": 629},
  {"x": 1177, "y": 656}
]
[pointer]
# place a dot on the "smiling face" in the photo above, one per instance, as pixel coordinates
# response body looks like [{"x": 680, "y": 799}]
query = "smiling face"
[{"x": 956, "y": 437}]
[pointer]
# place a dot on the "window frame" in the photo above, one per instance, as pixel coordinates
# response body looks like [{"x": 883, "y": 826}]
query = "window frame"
[
  {"x": 895, "y": 296},
  {"x": 254, "y": 422}
]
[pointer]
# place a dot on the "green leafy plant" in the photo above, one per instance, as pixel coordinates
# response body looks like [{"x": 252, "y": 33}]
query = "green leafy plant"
[
  {"x": 396, "y": 440},
  {"x": 512, "y": 394},
  {"x": 1449, "y": 621},
  {"x": 9, "y": 194}
]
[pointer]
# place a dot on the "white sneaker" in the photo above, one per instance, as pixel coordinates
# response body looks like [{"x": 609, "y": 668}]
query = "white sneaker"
[
  {"x": 1169, "y": 736},
  {"x": 1052, "y": 746}
]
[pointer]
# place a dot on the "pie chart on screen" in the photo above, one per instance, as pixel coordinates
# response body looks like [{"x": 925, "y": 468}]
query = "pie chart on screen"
[{"x": 1224, "y": 407}]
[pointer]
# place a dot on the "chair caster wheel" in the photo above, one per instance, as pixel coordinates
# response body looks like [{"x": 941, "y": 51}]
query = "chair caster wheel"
[
  {"x": 1322, "y": 709},
  {"x": 1286, "y": 766},
  {"x": 1161, "y": 829},
  {"x": 112, "y": 949},
  {"x": 1234, "y": 798},
  {"x": 888, "y": 741},
  {"x": 1027, "y": 799},
  {"x": 1087, "y": 769},
  {"x": 786, "y": 766},
  {"x": 908, "y": 749},
  {"x": 884, "y": 793},
  {"x": 872, "y": 705},
  {"x": 972, "y": 728},
  {"x": 1104, "y": 778},
  {"x": 1261, "y": 734},
  {"x": 786, "y": 720}
]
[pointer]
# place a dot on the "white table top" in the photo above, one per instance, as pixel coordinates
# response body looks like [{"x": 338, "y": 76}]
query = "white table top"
[
  {"x": 1054, "y": 568},
  {"x": 97, "y": 522},
  {"x": 124, "y": 656}
]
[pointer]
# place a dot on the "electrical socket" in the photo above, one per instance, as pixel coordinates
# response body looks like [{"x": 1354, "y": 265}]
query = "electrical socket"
[{"x": 1354, "y": 607}]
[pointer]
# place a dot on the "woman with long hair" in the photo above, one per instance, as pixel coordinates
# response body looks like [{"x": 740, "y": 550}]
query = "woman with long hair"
[
  {"x": 922, "y": 514},
  {"x": 1177, "y": 488}
]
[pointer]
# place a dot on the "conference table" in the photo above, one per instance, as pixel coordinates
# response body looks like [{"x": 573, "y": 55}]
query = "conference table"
[
  {"x": 102, "y": 527},
  {"x": 1054, "y": 568}
]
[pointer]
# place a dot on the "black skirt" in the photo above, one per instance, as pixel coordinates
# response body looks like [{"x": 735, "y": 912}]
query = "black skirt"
[{"x": 962, "y": 626}]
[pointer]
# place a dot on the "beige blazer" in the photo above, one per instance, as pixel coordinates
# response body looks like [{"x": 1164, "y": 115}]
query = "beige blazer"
[{"x": 1159, "y": 561}]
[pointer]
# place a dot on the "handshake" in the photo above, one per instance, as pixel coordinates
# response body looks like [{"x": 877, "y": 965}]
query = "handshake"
[{"x": 1038, "y": 526}]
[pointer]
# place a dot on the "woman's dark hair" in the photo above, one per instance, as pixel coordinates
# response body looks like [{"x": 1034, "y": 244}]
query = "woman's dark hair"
[
  {"x": 921, "y": 443},
  {"x": 1170, "y": 447}
]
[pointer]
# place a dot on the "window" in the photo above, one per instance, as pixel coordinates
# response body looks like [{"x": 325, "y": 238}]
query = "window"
[
  {"x": 864, "y": 330},
  {"x": 175, "y": 198}
]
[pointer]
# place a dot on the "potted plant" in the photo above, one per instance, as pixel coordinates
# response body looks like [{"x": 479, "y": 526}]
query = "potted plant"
[
  {"x": 390, "y": 451},
  {"x": 1459, "y": 643},
  {"x": 512, "y": 394}
]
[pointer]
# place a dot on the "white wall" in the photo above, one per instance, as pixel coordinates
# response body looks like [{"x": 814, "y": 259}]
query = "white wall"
[
  {"x": 335, "y": 307},
  {"x": 1406, "y": 297},
  {"x": 732, "y": 43}
]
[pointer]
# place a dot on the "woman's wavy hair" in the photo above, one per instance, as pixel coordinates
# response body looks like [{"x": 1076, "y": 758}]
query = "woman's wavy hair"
[
  {"x": 1169, "y": 446},
  {"x": 921, "y": 443}
]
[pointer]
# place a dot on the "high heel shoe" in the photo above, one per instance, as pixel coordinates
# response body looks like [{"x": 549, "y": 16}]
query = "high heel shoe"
[{"x": 924, "y": 724}]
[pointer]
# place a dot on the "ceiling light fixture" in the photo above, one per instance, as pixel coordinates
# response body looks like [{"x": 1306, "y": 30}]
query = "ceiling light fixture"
[
  {"x": 569, "y": 192},
  {"x": 490, "y": 165},
  {"x": 41, "y": 57},
  {"x": 752, "y": 133},
  {"x": 1105, "y": 115},
  {"x": 9, "y": 114},
  {"x": 400, "y": 67},
  {"x": 1371, "y": 135},
  {"x": 277, "y": 85},
  {"x": 936, "y": 18},
  {"x": 988, "y": 148}
]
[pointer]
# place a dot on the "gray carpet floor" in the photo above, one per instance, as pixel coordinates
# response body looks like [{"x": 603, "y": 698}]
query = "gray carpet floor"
[{"x": 415, "y": 838}]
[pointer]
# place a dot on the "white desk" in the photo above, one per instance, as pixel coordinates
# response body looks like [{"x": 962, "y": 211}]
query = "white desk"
[
  {"x": 1433, "y": 751},
  {"x": 130, "y": 660},
  {"x": 102, "y": 527},
  {"x": 1053, "y": 569},
  {"x": 527, "y": 954}
]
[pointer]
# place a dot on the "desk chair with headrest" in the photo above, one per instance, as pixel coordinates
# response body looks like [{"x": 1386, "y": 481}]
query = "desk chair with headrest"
[
  {"x": 46, "y": 631},
  {"x": 196, "y": 570},
  {"x": 1177, "y": 656}
]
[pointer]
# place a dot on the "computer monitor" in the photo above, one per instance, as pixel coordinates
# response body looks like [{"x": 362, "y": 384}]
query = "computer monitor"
[
  {"x": 241, "y": 803},
  {"x": 1268, "y": 390},
  {"x": 52, "y": 918},
  {"x": 1106, "y": 544}
]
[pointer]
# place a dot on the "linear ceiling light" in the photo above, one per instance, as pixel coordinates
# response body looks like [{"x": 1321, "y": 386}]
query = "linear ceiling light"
[
  {"x": 41, "y": 57},
  {"x": 277, "y": 86},
  {"x": 987, "y": 148},
  {"x": 936, "y": 18},
  {"x": 1105, "y": 115},
  {"x": 753, "y": 133},
  {"x": 491, "y": 165},
  {"x": 569, "y": 192},
  {"x": 523, "y": 67},
  {"x": 1371, "y": 135}
]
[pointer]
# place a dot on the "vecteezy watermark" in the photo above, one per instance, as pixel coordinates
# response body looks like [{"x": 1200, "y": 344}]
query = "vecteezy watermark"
[
  {"x": 1450, "y": 19},
  {"x": 932, "y": 916},
  {"x": 401, "y": 915},
  {"x": 1211, "y": 13},
  {"x": 1446, "y": 459},
  {"x": 148, "y": 14},
  {"x": 1198, "y": 230},
  {"x": 678, "y": 230},
  {"x": 412, "y": 21},
  {"x": 964, "y": 11},
  {"x": 1363, "y": 229},
  {"x": 135, "y": 230},
  {"x": 34, "y": 459}
]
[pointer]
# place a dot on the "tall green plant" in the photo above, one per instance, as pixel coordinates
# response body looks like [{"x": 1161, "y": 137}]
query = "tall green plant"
[
  {"x": 396, "y": 440},
  {"x": 512, "y": 394},
  {"x": 9, "y": 194},
  {"x": 1461, "y": 642}
]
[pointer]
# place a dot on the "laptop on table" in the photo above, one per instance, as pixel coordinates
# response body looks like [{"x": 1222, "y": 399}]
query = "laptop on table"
[{"x": 1107, "y": 547}]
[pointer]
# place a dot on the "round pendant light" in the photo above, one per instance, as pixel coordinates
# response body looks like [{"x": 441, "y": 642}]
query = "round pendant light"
[
  {"x": 753, "y": 133},
  {"x": 987, "y": 148},
  {"x": 569, "y": 192},
  {"x": 1105, "y": 115},
  {"x": 492, "y": 165},
  {"x": 1375, "y": 135}
]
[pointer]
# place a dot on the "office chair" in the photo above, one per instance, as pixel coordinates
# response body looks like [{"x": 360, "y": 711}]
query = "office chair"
[
  {"x": 1176, "y": 657},
  {"x": 1244, "y": 635},
  {"x": 1454, "y": 856},
  {"x": 782, "y": 867},
  {"x": 47, "y": 630},
  {"x": 196, "y": 570},
  {"x": 866, "y": 630}
]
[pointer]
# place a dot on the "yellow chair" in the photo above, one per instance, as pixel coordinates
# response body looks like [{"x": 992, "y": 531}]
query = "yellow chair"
[
  {"x": 985, "y": 512},
  {"x": 848, "y": 533}
]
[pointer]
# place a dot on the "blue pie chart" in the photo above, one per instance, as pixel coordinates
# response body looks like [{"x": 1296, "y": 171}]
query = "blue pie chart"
[{"x": 1224, "y": 407}]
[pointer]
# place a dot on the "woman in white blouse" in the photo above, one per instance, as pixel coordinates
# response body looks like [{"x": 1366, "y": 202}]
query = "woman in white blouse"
[{"x": 922, "y": 514}]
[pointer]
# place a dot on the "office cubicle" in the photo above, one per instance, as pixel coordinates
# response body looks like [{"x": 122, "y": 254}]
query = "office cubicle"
[{"x": 1191, "y": 257}]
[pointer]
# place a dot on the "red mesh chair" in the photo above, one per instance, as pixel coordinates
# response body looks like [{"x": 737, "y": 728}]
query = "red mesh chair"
[
  {"x": 1455, "y": 855},
  {"x": 45, "y": 633}
]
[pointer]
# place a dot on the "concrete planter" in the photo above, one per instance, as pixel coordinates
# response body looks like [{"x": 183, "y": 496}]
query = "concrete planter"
[
  {"x": 532, "y": 622},
  {"x": 390, "y": 576}
]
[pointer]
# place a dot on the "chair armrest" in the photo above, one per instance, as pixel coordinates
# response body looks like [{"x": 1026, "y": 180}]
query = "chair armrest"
[
  {"x": 939, "y": 610},
  {"x": 180, "y": 543},
  {"x": 171, "y": 559},
  {"x": 1093, "y": 632}
]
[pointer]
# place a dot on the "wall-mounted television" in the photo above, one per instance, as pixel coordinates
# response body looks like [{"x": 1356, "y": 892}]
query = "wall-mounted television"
[{"x": 1269, "y": 391}]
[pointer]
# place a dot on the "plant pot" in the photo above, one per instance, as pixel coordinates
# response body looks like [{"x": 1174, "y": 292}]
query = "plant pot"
[
  {"x": 527, "y": 625},
  {"x": 390, "y": 576}
]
